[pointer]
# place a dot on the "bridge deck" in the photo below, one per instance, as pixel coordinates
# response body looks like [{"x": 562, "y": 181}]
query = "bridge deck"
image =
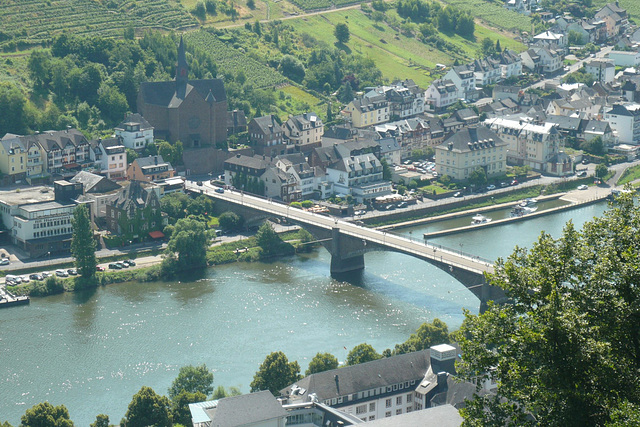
[{"x": 382, "y": 238}]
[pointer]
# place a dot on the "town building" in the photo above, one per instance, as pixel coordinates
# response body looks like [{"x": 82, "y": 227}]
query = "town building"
[
  {"x": 465, "y": 80},
  {"x": 236, "y": 122},
  {"x": 110, "y": 157},
  {"x": 625, "y": 122},
  {"x": 625, "y": 58},
  {"x": 411, "y": 134},
  {"x": 359, "y": 176},
  {"x": 367, "y": 110},
  {"x": 134, "y": 212},
  {"x": 471, "y": 148},
  {"x": 441, "y": 94},
  {"x": 304, "y": 131},
  {"x": 149, "y": 169},
  {"x": 405, "y": 98},
  {"x": 240, "y": 170},
  {"x": 602, "y": 71},
  {"x": 615, "y": 18},
  {"x": 510, "y": 63},
  {"x": 135, "y": 132},
  {"x": 39, "y": 218},
  {"x": 306, "y": 177},
  {"x": 13, "y": 158},
  {"x": 266, "y": 136},
  {"x": 541, "y": 60},
  {"x": 191, "y": 111},
  {"x": 97, "y": 191}
]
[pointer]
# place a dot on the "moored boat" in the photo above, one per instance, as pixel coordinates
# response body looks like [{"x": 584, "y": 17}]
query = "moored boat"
[{"x": 479, "y": 219}]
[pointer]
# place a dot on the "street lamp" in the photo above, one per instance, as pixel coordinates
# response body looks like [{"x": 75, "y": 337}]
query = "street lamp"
[
  {"x": 461, "y": 245},
  {"x": 410, "y": 236}
]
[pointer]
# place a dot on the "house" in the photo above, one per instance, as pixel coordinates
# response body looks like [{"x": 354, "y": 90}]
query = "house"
[
  {"x": 487, "y": 71},
  {"x": 359, "y": 176},
  {"x": 266, "y": 136},
  {"x": 244, "y": 171},
  {"x": 625, "y": 58},
  {"x": 405, "y": 98},
  {"x": 528, "y": 144},
  {"x": 465, "y": 80},
  {"x": 390, "y": 150},
  {"x": 134, "y": 132},
  {"x": 502, "y": 91},
  {"x": 602, "y": 71},
  {"x": 615, "y": 18},
  {"x": 624, "y": 119},
  {"x": 541, "y": 60},
  {"x": 134, "y": 211},
  {"x": 191, "y": 111},
  {"x": 510, "y": 63},
  {"x": 304, "y": 131},
  {"x": 236, "y": 122},
  {"x": 367, "y": 110},
  {"x": 13, "y": 158},
  {"x": 149, "y": 169},
  {"x": 111, "y": 157},
  {"x": 410, "y": 134},
  {"x": 253, "y": 409},
  {"x": 464, "y": 151},
  {"x": 594, "y": 31},
  {"x": 550, "y": 39},
  {"x": 97, "y": 191},
  {"x": 306, "y": 177},
  {"x": 441, "y": 94},
  {"x": 39, "y": 218}
]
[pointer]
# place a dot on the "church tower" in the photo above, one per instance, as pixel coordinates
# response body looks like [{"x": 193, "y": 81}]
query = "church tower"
[{"x": 182, "y": 71}]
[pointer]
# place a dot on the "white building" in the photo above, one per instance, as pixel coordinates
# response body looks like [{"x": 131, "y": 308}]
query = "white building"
[
  {"x": 602, "y": 71},
  {"x": 135, "y": 132},
  {"x": 624, "y": 119},
  {"x": 304, "y": 129},
  {"x": 465, "y": 80},
  {"x": 359, "y": 176},
  {"x": 111, "y": 157},
  {"x": 441, "y": 94},
  {"x": 625, "y": 59}
]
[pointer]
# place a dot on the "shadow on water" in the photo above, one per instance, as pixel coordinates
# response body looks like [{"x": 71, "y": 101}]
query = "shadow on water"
[{"x": 83, "y": 296}]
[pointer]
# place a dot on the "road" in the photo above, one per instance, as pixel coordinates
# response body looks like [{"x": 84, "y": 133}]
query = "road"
[
  {"x": 409, "y": 246},
  {"x": 572, "y": 68}
]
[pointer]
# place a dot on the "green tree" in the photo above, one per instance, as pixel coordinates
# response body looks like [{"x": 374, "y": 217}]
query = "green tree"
[
  {"x": 14, "y": 115},
  {"x": 187, "y": 247},
  {"x": 291, "y": 67},
  {"x": 180, "y": 406},
  {"x": 601, "y": 170},
  {"x": 39, "y": 66},
  {"x": 322, "y": 362},
  {"x": 478, "y": 177},
  {"x": 147, "y": 408},
  {"x": 362, "y": 353},
  {"x": 386, "y": 170},
  {"x": 192, "y": 379},
  {"x": 566, "y": 348},
  {"x": 342, "y": 33},
  {"x": 220, "y": 392},
  {"x": 487, "y": 48},
  {"x": 46, "y": 415},
  {"x": 230, "y": 221},
  {"x": 594, "y": 146},
  {"x": 275, "y": 373},
  {"x": 83, "y": 245},
  {"x": 575, "y": 38},
  {"x": 429, "y": 334},
  {"x": 268, "y": 239},
  {"x": 345, "y": 93},
  {"x": 102, "y": 420}
]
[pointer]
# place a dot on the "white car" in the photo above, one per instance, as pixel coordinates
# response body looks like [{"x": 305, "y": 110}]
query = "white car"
[
  {"x": 62, "y": 273},
  {"x": 582, "y": 187},
  {"x": 5, "y": 261}
]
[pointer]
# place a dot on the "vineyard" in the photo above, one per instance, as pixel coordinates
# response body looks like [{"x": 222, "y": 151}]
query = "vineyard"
[
  {"x": 494, "y": 14},
  {"x": 34, "y": 22},
  {"x": 230, "y": 60}
]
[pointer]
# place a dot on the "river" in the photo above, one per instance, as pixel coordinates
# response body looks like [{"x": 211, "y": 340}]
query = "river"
[{"x": 92, "y": 351}]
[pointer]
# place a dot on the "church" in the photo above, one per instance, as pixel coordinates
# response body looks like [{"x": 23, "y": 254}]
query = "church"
[{"x": 191, "y": 111}]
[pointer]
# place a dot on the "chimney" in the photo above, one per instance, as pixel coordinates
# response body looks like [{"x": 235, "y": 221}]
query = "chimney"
[
  {"x": 337, "y": 383},
  {"x": 155, "y": 158},
  {"x": 443, "y": 358}
]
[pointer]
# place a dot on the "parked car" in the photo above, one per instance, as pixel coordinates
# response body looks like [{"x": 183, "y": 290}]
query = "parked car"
[
  {"x": 5, "y": 261},
  {"x": 582, "y": 187},
  {"x": 581, "y": 174},
  {"x": 515, "y": 182},
  {"x": 45, "y": 274},
  {"x": 99, "y": 268},
  {"x": 122, "y": 264},
  {"x": 390, "y": 207},
  {"x": 36, "y": 276},
  {"x": 25, "y": 279},
  {"x": 491, "y": 187},
  {"x": 115, "y": 266},
  {"x": 504, "y": 184},
  {"x": 219, "y": 190},
  {"x": 457, "y": 194},
  {"x": 403, "y": 205},
  {"x": 72, "y": 272},
  {"x": 62, "y": 273},
  {"x": 131, "y": 262}
]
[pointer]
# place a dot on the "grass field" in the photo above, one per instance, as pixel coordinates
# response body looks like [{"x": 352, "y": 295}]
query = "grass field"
[
  {"x": 630, "y": 174},
  {"x": 494, "y": 14},
  {"x": 395, "y": 54}
]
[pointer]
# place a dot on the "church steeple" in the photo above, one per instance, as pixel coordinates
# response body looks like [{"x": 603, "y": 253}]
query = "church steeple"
[{"x": 182, "y": 71}]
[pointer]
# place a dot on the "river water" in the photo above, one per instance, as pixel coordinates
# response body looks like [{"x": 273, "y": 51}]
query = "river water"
[{"x": 92, "y": 351}]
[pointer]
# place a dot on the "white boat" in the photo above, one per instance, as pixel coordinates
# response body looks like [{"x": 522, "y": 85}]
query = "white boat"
[
  {"x": 520, "y": 210},
  {"x": 479, "y": 219},
  {"x": 527, "y": 203}
]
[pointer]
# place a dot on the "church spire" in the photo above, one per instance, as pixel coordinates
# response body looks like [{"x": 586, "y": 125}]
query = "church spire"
[{"x": 182, "y": 71}]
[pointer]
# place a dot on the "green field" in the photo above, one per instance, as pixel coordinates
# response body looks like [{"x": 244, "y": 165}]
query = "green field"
[
  {"x": 396, "y": 55},
  {"x": 494, "y": 14},
  {"x": 231, "y": 60},
  {"x": 31, "y": 22}
]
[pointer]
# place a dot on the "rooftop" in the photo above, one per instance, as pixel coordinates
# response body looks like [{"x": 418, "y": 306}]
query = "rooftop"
[{"x": 27, "y": 195}]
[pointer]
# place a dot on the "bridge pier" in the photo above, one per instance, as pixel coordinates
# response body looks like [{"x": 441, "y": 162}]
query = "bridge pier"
[{"x": 340, "y": 247}]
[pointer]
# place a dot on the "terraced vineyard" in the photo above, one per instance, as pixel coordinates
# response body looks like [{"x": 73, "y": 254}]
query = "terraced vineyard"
[
  {"x": 494, "y": 14},
  {"x": 231, "y": 60},
  {"x": 31, "y": 22}
]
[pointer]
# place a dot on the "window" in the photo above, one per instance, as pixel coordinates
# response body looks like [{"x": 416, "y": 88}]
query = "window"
[
  {"x": 399, "y": 400},
  {"x": 388, "y": 403},
  {"x": 409, "y": 398},
  {"x": 372, "y": 406},
  {"x": 361, "y": 409},
  {"x": 372, "y": 417},
  {"x": 387, "y": 414},
  {"x": 398, "y": 411}
]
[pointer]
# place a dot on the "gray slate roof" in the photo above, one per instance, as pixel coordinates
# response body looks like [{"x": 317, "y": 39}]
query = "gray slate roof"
[
  {"x": 164, "y": 93},
  {"x": 92, "y": 183},
  {"x": 245, "y": 410},
  {"x": 439, "y": 416},
  {"x": 461, "y": 139},
  {"x": 135, "y": 119}
]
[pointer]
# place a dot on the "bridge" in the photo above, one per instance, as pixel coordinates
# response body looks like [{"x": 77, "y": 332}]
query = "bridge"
[{"x": 347, "y": 242}]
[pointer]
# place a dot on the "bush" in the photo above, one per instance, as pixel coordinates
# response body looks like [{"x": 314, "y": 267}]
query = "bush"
[{"x": 307, "y": 204}]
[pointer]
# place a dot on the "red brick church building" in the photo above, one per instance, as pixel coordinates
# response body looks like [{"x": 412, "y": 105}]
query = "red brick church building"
[{"x": 191, "y": 111}]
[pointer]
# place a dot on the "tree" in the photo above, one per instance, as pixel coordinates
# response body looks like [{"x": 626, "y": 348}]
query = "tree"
[
  {"x": 192, "y": 379},
  {"x": 498, "y": 47},
  {"x": 345, "y": 93},
  {"x": 180, "y": 406},
  {"x": 83, "y": 245},
  {"x": 275, "y": 373},
  {"x": 291, "y": 67},
  {"x": 102, "y": 420},
  {"x": 221, "y": 392},
  {"x": 575, "y": 38},
  {"x": 322, "y": 362},
  {"x": 251, "y": 4},
  {"x": 148, "y": 409},
  {"x": 601, "y": 170},
  {"x": 187, "y": 246},
  {"x": 478, "y": 177},
  {"x": 488, "y": 47},
  {"x": 46, "y": 415},
  {"x": 429, "y": 334},
  {"x": 342, "y": 33},
  {"x": 594, "y": 146},
  {"x": 566, "y": 348},
  {"x": 362, "y": 353},
  {"x": 229, "y": 221},
  {"x": 268, "y": 239},
  {"x": 14, "y": 115},
  {"x": 386, "y": 170}
]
